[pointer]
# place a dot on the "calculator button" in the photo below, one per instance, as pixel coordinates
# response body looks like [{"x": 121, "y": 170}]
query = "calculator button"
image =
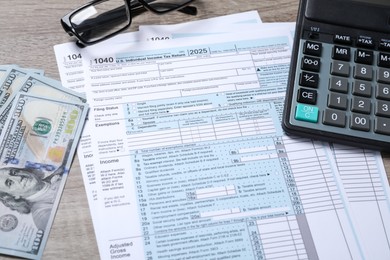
[
  {"x": 382, "y": 108},
  {"x": 341, "y": 53},
  {"x": 363, "y": 72},
  {"x": 340, "y": 68},
  {"x": 308, "y": 79},
  {"x": 338, "y": 84},
  {"x": 365, "y": 41},
  {"x": 384, "y": 44},
  {"x": 360, "y": 122},
  {"x": 384, "y": 60},
  {"x": 306, "y": 113},
  {"x": 364, "y": 57},
  {"x": 383, "y": 92},
  {"x": 361, "y": 105},
  {"x": 382, "y": 125},
  {"x": 336, "y": 100},
  {"x": 307, "y": 96},
  {"x": 312, "y": 48},
  {"x": 344, "y": 39},
  {"x": 384, "y": 75},
  {"x": 311, "y": 64},
  {"x": 362, "y": 88},
  {"x": 334, "y": 118}
]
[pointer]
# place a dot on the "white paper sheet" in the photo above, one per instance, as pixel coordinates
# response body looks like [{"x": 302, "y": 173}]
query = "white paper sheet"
[
  {"x": 186, "y": 148},
  {"x": 200, "y": 133}
]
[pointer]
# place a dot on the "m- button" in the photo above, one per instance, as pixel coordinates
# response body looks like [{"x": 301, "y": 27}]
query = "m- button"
[{"x": 312, "y": 48}]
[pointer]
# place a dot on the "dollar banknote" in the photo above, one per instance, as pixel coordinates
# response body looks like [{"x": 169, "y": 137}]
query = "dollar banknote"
[
  {"x": 11, "y": 84},
  {"x": 11, "y": 77},
  {"x": 39, "y": 85},
  {"x": 4, "y": 70},
  {"x": 37, "y": 146}
]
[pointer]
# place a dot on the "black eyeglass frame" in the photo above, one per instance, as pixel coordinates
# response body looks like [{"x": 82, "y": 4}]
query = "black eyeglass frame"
[
  {"x": 173, "y": 7},
  {"x": 135, "y": 9}
]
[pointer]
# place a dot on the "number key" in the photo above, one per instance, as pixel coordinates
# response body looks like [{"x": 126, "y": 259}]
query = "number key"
[
  {"x": 334, "y": 118},
  {"x": 338, "y": 84},
  {"x": 363, "y": 72},
  {"x": 340, "y": 68},
  {"x": 383, "y": 91},
  {"x": 361, "y": 105},
  {"x": 362, "y": 88},
  {"x": 382, "y": 108},
  {"x": 360, "y": 122},
  {"x": 384, "y": 75},
  {"x": 336, "y": 100}
]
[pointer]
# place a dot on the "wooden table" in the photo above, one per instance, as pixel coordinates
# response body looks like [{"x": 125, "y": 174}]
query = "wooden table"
[{"x": 30, "y": 29}]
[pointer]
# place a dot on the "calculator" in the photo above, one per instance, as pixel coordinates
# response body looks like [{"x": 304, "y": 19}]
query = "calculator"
[{"x": 339, "y": 80}]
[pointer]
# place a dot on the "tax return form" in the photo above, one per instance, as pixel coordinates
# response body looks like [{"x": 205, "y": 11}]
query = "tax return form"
[{"x": 248, "y": 191}]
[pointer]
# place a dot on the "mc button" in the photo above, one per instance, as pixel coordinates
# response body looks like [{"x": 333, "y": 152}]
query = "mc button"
[{"x": 312, "y": 48}]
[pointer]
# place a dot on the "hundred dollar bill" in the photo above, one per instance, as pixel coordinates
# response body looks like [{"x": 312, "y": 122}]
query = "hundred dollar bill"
[
  {"x": 42, "y": 86},
  {"x": 3, "y": 73},
  {"x": 36, "y": 150},
  {"x": 13, "y": 80},
  {"x": 35, "y": 71}
]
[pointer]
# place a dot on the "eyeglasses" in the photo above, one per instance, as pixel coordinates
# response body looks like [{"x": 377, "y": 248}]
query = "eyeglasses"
[{"x": 101, "y": 19}]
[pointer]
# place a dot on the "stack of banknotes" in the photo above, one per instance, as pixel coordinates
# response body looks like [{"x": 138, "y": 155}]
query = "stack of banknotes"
[{"x": 40, "y": 125}]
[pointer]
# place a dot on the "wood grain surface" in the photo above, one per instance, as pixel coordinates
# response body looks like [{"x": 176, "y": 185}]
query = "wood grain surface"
[{"x": 29, "y": 30}]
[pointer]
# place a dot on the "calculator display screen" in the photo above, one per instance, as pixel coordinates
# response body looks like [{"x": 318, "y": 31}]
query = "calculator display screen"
[
  {"x": 371, "y": 15},
  {"x": 379, "y": 2}
]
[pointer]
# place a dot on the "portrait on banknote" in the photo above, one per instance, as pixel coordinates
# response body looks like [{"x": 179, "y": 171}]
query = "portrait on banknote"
[
  {"x": 37, "y": 146},
  {"x": 30, "y": 191}
]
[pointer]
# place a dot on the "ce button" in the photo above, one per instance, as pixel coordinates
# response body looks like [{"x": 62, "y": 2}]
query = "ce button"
[{"x": 307, "y": 96}]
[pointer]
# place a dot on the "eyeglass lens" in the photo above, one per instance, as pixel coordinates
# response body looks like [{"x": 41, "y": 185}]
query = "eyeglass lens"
[{"x": 100, "y": 19}]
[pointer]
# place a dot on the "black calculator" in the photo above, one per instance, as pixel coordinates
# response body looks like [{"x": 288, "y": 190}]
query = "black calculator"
[{"x": 339, "y": 80}]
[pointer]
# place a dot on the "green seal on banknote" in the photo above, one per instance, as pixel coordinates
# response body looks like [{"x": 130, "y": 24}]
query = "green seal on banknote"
[
  {"x": 8, "y": 222},
  {"x": 42, "y": 127}
]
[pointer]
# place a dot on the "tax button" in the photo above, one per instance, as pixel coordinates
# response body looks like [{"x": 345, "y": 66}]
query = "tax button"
[{"x": 306, "y": 113}]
